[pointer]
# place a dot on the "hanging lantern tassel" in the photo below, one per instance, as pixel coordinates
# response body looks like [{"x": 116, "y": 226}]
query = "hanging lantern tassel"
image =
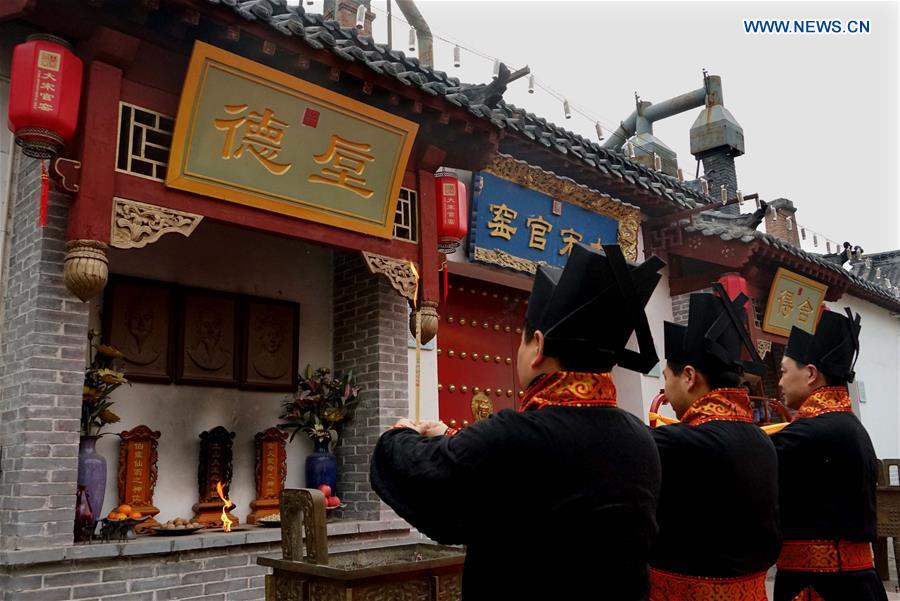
[
  {"x": 45, "y": 193},
  {"x": 496, "y": 68},
  {"x": 412, "y": 39},
  {"x": 456, "y": 56},
  {"x": 531, "y": 84},
  {"x": 599, "y": 130},
  {"x": 361, "y": 16},
  {"x": 445, "y": 272},
  {"x": 723, "y": 194},
  {"x": 566, "y": 109}
]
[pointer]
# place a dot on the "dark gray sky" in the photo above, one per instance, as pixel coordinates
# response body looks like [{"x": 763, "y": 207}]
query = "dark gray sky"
[{"x": 819, "y": 112}]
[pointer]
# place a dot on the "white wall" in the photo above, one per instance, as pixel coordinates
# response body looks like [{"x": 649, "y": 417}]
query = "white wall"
[
  {"x": 878, "y": 373},
  {"x": 635, "y": 390},
  {"x": 236, "y": 260}
]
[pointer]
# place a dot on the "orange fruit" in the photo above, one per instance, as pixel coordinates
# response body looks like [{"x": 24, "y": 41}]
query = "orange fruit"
[
  {"x": 135, "y": 515},
  {"x": 112, "y": 515},
  {"x": 126, "y": 509}
]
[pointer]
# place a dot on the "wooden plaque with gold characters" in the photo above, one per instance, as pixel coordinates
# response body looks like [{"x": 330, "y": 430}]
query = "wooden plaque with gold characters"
[
  {"x": 215, "y": 468},
  {"x": 271, "y": 470},
  {"x": 137, "y": 473}
]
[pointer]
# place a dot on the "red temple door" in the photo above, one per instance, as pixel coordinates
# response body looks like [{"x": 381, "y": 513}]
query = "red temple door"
[{"x": 481, "y": 325}]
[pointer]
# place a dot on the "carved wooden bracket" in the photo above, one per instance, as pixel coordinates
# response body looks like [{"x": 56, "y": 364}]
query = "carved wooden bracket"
[
  {"x": 137, "y": 224},
  {"x": 398, "y": 272},
  {"x": 66, "y": 173}
]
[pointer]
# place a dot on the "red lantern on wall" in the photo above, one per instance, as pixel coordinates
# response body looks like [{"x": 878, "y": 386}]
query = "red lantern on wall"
[
  {"x": 734, "y": 284},
  {"x": 44, "y": 92},
  {"x": 452, "y": 211}
]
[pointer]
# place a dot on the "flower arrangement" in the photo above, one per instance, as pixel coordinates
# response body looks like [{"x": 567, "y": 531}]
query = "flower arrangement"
[
  {"x": 101, "y": 378},
  {"x": 320, "y": 406}
]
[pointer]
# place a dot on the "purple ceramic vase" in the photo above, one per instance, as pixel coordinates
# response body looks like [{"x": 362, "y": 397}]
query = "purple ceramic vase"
[{"x": 92, "y": 473}]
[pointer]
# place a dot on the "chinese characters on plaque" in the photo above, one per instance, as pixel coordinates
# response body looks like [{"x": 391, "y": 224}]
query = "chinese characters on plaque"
[
  {"x": 215, "y": 466},
  {"x": 523, "y": 223},
  {"x": 252, "y": 135},
  {"x": 137, "y": 472},
  {"x": 794, "y": 300},
  {"x": 271, "y": 470}
]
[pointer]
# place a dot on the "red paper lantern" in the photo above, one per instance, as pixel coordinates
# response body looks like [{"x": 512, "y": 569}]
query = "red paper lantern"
[
  {"x": 45, "y": 89},
  {"x": 734, "y": 284},
  {"x": 452, "y": 211}
]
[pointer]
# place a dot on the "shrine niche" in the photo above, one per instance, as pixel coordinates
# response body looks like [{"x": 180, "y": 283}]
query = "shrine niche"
[
  {"x": 137, "y": 473},
  {"x": 215, "y": 467},
  {"x": 271, "y": 470}
]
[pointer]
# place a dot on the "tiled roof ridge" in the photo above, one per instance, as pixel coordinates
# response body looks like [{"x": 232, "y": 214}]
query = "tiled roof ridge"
[{"x": 348, "y": 44}]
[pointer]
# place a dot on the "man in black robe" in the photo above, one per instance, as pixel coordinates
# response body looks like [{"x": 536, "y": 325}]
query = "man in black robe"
[
  {"x": 718, "y": 509},
  {"x": 827, "y": 471},
  {"x": 557, "y": 501}
]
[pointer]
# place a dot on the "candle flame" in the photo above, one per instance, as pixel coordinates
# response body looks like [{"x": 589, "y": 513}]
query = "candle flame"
[{"x": 226, "y": 522}]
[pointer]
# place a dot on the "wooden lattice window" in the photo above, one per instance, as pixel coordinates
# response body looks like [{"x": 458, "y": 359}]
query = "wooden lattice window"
[
  {"x": 145, "y": 138},
  {"x": 406, "y": 226}
]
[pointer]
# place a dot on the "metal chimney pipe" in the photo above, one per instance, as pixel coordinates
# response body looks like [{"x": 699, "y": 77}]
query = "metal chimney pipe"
[
  {"x": 655, "y": 112},
  {"x": 423, "y": 32}
]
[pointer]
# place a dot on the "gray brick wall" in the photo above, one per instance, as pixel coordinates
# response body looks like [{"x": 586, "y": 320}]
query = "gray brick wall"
[
  {"x": 370, "y": 339},
  {"x": 43, "y": 332},
  {"x": 681, "y": 308},
  {"x": 223, "y": 574}
]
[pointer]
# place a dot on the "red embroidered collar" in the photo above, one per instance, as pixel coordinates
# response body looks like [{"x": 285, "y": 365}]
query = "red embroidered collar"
[
  {"x": 722, "y": 404},
  {"x": 572, "y": 389},
  {"x": 828, "y": 399}
]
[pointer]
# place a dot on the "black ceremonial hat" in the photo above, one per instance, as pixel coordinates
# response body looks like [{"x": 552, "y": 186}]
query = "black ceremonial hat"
[
  {"x": 589, "y": 310},
  {"x": 714, "y": 336},
  {"x": 833, "y": 348}
]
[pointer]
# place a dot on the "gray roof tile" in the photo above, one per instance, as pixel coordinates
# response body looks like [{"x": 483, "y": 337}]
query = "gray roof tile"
[{"x": 350, "y": 46}]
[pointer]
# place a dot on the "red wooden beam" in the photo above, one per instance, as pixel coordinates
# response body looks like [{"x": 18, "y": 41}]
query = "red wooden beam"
[
  {"x": 91, "y": 212},
  {"x": 153, "y": 192}
]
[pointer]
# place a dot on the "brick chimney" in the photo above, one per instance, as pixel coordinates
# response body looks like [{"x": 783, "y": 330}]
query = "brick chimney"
[
  {"x": 344, "y": 12},
  {"x": 784, "y": 227}
]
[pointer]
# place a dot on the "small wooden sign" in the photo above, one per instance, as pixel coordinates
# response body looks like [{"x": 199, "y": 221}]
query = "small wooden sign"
[
  {"x": 137, "y": 472},
  {"x": 271, "y": 470},
  {"x": 215, "y": 466},
  {"x": 794, "y": 300}
]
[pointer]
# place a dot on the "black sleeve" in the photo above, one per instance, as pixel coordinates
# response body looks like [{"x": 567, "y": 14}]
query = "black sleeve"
[{"x": 430, "y": 482}]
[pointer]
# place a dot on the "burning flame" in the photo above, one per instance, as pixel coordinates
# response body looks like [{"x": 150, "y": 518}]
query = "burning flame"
[{"x": 226, "y": 523}]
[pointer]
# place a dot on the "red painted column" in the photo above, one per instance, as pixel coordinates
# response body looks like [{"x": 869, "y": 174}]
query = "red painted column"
[
  {"x": 428, "y": 252},
  {"x": 90, "y": 215}
]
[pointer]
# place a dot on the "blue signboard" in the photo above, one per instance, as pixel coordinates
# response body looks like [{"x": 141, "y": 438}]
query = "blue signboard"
[{"x": 518, "y": 227}]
